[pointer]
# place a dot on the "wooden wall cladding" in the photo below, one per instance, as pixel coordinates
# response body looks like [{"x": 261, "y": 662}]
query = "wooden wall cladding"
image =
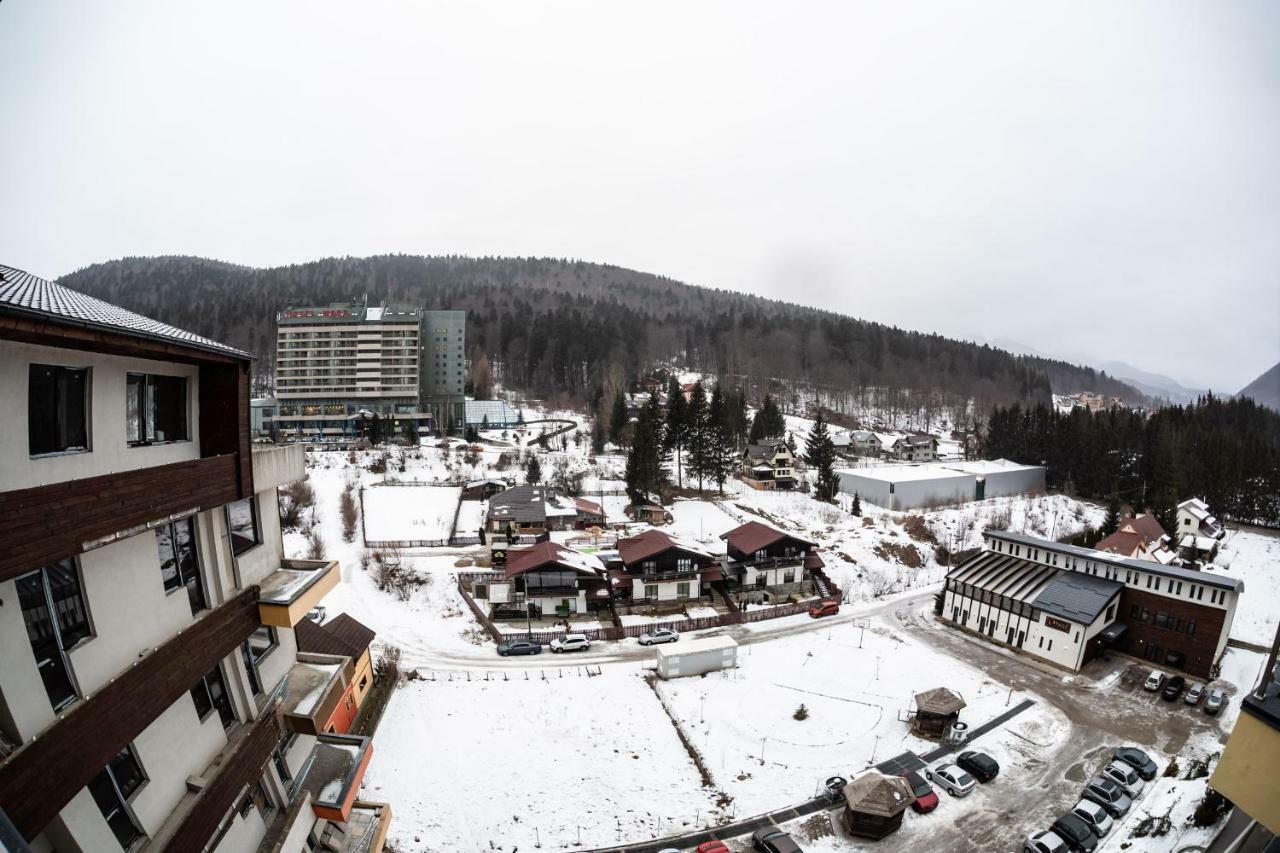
[
  {"x": 42, "y": 777},
  {"x": 224, "y": 417},
  {"x": 243, "y": 767},
  {"x": 46, "y": 523},
  {"x": 1199, "y": 649}
]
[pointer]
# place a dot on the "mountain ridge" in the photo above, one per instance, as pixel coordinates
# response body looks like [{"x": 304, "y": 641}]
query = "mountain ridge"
[{"x": 1265, "y": 390}]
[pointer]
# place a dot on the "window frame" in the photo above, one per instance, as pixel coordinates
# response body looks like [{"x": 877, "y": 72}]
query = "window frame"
[
  {"x": 56, "y": 627},
  {"x": 122, "y": 800},
  {"x": 146, "y": 396},
  {"x": 203, "y": 683},
  {"x": 252, "y": 500},
  {"x": 59, "y": 370},
  {"x": 172, "y": 526}
]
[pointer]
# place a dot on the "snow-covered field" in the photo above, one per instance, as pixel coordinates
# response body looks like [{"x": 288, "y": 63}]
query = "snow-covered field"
[
  {"x": 857, "y": 692},
  {"x": 1255, "y": 559},
  {"x": 410, "y": 513},
  {"x": 520, "y": 764}
]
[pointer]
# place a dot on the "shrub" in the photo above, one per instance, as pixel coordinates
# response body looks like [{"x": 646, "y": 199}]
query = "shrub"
[
  {"x": 315, "y": 545},
  {"x": 1172, "y": 769},
  {"x": 802, "y": 713},
  {"x": 387, "y": 664},
  {"x": 1211, "y": 809},
  {"x": 295, "y": 498},
  {"x": 347, "y": 508}
]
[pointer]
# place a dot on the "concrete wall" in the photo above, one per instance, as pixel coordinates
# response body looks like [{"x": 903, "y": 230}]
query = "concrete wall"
[{"x": 108, "y": 447}]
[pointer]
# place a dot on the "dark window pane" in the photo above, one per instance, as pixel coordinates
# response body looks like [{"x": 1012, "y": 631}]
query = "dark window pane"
[
  {"x": 188, "y": 563},
  {"x": 218, "y": 695},
  {"x": 72, "y": 386},
  {"x": 42, "y": 409},
  {"x": 133, "y": 407},
  {"x": 200, "y": 695},
  {"x": 127, "y": 772},
  {"x": 242, "y": 524},
  {"x": 68, "y": 603},
  {"x": 168, "y": 557},
  {"x": 169, "y": 407}
]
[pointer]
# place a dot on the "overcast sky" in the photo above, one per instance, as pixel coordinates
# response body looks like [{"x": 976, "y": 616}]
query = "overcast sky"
[{"x": 1096, "y": 181}]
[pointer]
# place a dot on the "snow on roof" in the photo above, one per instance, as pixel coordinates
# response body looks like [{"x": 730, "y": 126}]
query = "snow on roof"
[
  {"x": 906, "y": 473},
  {"x": 990, "y": 466},
  {"x": 552, "y": 553},
  {"x": 704, "y": 644}
]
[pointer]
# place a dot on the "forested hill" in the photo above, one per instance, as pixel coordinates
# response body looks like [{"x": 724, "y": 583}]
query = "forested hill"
[{"x": 553, "y": 326}]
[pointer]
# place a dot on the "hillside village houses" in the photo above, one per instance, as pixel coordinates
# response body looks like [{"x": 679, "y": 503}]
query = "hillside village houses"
[
  {"x": 760, "y": 557},
  {"x": 151, "y": 688},
  {"x": 769, "y": 465},
  {"x": 535, "y": 510}
]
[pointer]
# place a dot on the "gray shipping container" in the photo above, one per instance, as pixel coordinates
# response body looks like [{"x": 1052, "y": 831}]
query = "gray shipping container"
[{"x": 697, "y": 656}]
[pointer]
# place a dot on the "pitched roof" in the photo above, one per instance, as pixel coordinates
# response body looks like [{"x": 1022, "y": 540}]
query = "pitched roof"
[
  {"x": 1077, "y": 596},
  {"x": 341, "y": 635},
  {"x": 1146, "y": 525},
  {"x": 585, "y": 505},
  {"x": 553, "y": 554},
  {"x": 752, "y": 536},
  {"x": 653, "y": 542},
  {"x": 23, "y": 293},
  {"x": 1122, "y": 542},
  {"x": 521, "y": 503},
  {"x": 874, "y": 793},
  {"x": 939, "y": 700}
]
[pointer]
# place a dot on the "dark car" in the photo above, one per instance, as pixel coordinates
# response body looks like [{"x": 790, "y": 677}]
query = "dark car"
[
  {"x": 980, "y": 765},
  {"x": 774, "y": 840},
  {"x": 926, "y": 799},
  {"x": 1074, "y": 831},
  {"x": 1138, "y": 760},
  {"x": 1173, "y": 688},
  {"x": 519, "y": 647}
]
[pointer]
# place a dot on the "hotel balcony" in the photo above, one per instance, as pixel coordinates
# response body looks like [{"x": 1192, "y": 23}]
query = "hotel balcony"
[
  {"x": 286, "y": 595},
  {"x": 277, "y": 465},
  {"x": 312, "y": 693}
]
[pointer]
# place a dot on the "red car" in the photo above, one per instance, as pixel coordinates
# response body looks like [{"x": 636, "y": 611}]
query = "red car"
[
  {"x": 826, "y": 607},
  {"x": 712, "y": 847},
  {"x": 926, "y": 799}
]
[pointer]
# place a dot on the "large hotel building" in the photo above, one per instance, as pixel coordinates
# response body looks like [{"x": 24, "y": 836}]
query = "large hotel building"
[
  {"x": 341, "y": 364},
  {"x": 152, "y": 695}
]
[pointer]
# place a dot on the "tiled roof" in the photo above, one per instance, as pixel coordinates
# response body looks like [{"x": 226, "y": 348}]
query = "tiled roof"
[
  {"x": 752, "y": 536},
  {"x": 654, "y": 542},
  {"x": 546, "y": 554},
  {"x": 341, "y": 635},
  {"x": 23, "y": 293}
]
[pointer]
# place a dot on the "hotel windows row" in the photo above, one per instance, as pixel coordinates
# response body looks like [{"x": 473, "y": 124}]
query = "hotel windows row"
[
  {"x": 1164, "y": 620},
  {"x": 986, "y": 596},
  {"x": 58, "y": 409}
]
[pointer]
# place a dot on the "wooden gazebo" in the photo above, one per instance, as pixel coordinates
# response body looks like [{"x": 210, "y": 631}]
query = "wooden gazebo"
[
  {"x": 874, "y": 804},
  {"x": 936, "y": 710}
]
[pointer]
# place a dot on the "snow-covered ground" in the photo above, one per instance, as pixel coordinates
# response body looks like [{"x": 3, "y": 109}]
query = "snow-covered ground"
[
  {"x": 410, "y": 513},
  {"x": 519, "y": 764},
  {"x": 1255, "y": 559}
]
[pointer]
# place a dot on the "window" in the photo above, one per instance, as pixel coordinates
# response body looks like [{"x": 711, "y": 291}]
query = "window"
[
  {"x": 1111, "y": 612},
  {"x": 1050, "y": 646},
  {"x": 155, "y": 409},
  {"x": 684, "y": 564},
  {"x": 112, "y": 789},
  {"x": 649, "y": 567},
  {"x": 279, "y": 757},
  {"x": 762, "y": 554},
  {"x": 789, "y": 576},
  {"x": 1162, "y": 619},
  {"x": 179, "y": 566},
  {"x": 1191, "y": 627},
  {"x": 242, "y": 525},
  {"x": 56, "y": 617},
  {"x": 257, "y": 647},
  {"x": 651, "y": 590},
  {"x": 57, "y": 409},
  {"x": 682, "y": 590},
  {"x": 210, "y": 693}
]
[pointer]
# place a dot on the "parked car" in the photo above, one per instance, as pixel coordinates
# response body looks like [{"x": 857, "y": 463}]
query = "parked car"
[
  {"x": 926, "y": 799},
  {"x": 1138, "y": 760},
  {"x": 1124, "y": 775},
  {"x": 774, "y": 840},
  {"x": 570, "y": 643},
  {"x": 1214, "y": 703},
  {"x": 1075, "y": 832},
  {"x": 1044, "y": 842},
  {"x": 1094, "y": 815},
  {"x": 519, "y": 647},
  {"x": 658, "y": 635},
  {"x": 826, "y": 607},
  {"x": 1107, "y": 794},
  {"x": 980, "y": 765},
  {"x": 712, "y": 847},
  {"x": 833, "y": 789},
  {"x": 1194, "y": 693},
  {"x": 1173, "y": 688},
  {"x": 1154, "y": 681},
  {"x": 953, "y": 779}
]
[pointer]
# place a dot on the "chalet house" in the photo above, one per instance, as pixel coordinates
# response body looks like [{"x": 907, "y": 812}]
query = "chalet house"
[
  {"x": 149, "y": 613},
  {"x": 549, "y": 579},
  {"x": 532, "y": 510},
  {"x": 650, "y": 511},
  {"x": 588, "y": 514},
  {"x": 480, "y": 490},
  {"x": 763, "y": 557},
  {"x": 1140, "y": 537},
  {"x": 346, "y": 637},
  {"x": 1194, "y": 518},
  {"x": 769, "y": 465},
  {"x": 655, "y": 567},
  {"x": 913, "y": 448},
  {"x": 864, "y": 442}
]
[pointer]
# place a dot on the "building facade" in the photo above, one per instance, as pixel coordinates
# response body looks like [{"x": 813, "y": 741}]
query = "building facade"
[
  {"x": 1065, "y": 604},
  {"x": 148, "y": 642},
  {"x": 342, "y": 365}
]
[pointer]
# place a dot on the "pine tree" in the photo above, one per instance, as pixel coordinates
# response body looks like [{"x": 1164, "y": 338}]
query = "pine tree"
[
  {"x": 699, "y": 438},
  {"x": 821, "y": 455},
  {"x": 1111, "y": 523},
  {"x": 677, "y": 426},
  {"x": 533, "y": 470},
  {"x": 768, "y": 422},
  {"x": 618, "y": 419},
  {"x": 722, "y": 456},
  {"x": 644, "y": 459},
  {"x": 856, "y": 507}
]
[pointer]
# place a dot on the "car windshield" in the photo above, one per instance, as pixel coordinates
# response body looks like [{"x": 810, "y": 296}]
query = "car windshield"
[{"x": 962, "y": 777}]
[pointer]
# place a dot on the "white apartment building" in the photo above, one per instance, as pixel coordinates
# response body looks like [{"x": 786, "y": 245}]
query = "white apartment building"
[{"x": 150, "y": 686}]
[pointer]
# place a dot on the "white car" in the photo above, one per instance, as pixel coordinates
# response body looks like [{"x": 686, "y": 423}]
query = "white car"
[
  {"x": 1044, "y": 842},
  {"x": 1125, "y": 776},
  {"x": 1194, "y": 694},
  {"x": 658, "y": 635},
  {"x": 570, "y": 643},
  {"x": 1094, "y": 815},
  {"x": 1154, "y": 681},
  {"x": 950, "y": 777}
]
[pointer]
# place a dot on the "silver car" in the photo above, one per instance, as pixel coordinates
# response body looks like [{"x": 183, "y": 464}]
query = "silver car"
[
  {"x": 1193, "y": 694},
  {"x": 1124, "y": 775},
  {"x": 1214, "y": 703},
  {"x": 1094, "y": 815},
  {"x": 950, "y": 777},
  {"x": 1107, "y": 794}
]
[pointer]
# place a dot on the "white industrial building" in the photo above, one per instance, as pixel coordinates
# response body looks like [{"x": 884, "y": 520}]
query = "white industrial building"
[{"x": 902, "y": 487}]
